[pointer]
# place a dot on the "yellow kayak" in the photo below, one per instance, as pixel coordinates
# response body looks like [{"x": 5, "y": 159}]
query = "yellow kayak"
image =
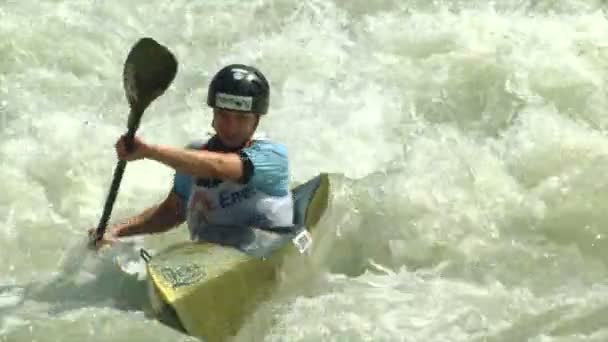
[{"x": 208, "y": 289}]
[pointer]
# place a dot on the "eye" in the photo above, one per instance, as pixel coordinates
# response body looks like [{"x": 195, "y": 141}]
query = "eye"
[{"x": 246, "y": 117}]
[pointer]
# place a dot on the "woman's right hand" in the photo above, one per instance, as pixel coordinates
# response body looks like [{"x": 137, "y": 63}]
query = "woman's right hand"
[{"x": 109, "y": 238}]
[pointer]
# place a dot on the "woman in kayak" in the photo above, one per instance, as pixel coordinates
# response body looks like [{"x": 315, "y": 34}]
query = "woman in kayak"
[{"x": 229, "y": 180}]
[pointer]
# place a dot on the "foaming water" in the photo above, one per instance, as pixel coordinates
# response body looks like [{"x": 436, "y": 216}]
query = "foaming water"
[{"x": 466, "y": 143}]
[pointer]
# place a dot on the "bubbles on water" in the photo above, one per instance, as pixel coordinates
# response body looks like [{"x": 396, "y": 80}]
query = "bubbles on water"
[{"x": 466, "y": 139}]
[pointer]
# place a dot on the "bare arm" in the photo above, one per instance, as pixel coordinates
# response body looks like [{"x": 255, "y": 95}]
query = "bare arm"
[
  {"x": 157, "y": 219},
  {"x": 203, "y": 164}
]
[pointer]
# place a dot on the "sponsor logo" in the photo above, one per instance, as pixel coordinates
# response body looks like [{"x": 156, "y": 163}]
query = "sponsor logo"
[
  {"x": 228, "y": 199},
  {"x": 234, "y": 102},
  {"x": 182, "y": 275},
  {"x": 199, "y": 207},
  {"x": 302, "y": 241}
]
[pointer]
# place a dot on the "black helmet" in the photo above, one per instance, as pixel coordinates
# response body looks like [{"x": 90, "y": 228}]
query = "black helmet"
[{"x": 239, "y": 87}]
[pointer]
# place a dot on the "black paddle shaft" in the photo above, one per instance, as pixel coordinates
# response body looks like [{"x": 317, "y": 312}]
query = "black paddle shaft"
[{"x": 148, "y": 71}]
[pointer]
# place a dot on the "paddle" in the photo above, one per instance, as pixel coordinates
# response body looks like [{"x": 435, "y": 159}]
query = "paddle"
[{"x": 148, "y": 71}]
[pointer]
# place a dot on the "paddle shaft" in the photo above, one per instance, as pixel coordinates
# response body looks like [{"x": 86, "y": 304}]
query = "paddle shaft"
[{"x": 117, "y": 178}]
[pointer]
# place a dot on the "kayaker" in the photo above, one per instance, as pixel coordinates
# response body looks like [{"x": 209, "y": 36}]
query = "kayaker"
[{"x": 231, "y": 179}]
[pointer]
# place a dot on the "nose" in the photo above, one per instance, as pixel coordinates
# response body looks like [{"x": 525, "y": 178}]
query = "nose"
[{"x": 228, "y": 123}]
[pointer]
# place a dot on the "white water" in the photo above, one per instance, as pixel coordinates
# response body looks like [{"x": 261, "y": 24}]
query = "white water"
[{"x": 467, "y": 142}]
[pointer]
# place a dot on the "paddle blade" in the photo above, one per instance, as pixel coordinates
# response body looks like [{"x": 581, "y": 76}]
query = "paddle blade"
[{"x": 148, "y": 71}]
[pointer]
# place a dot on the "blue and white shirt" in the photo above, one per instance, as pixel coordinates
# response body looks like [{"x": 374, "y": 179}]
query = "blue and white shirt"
[{"x": 264, "y": 201}]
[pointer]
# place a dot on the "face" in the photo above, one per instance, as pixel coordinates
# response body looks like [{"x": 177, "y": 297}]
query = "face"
[{"x": 234, "y": 128}]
